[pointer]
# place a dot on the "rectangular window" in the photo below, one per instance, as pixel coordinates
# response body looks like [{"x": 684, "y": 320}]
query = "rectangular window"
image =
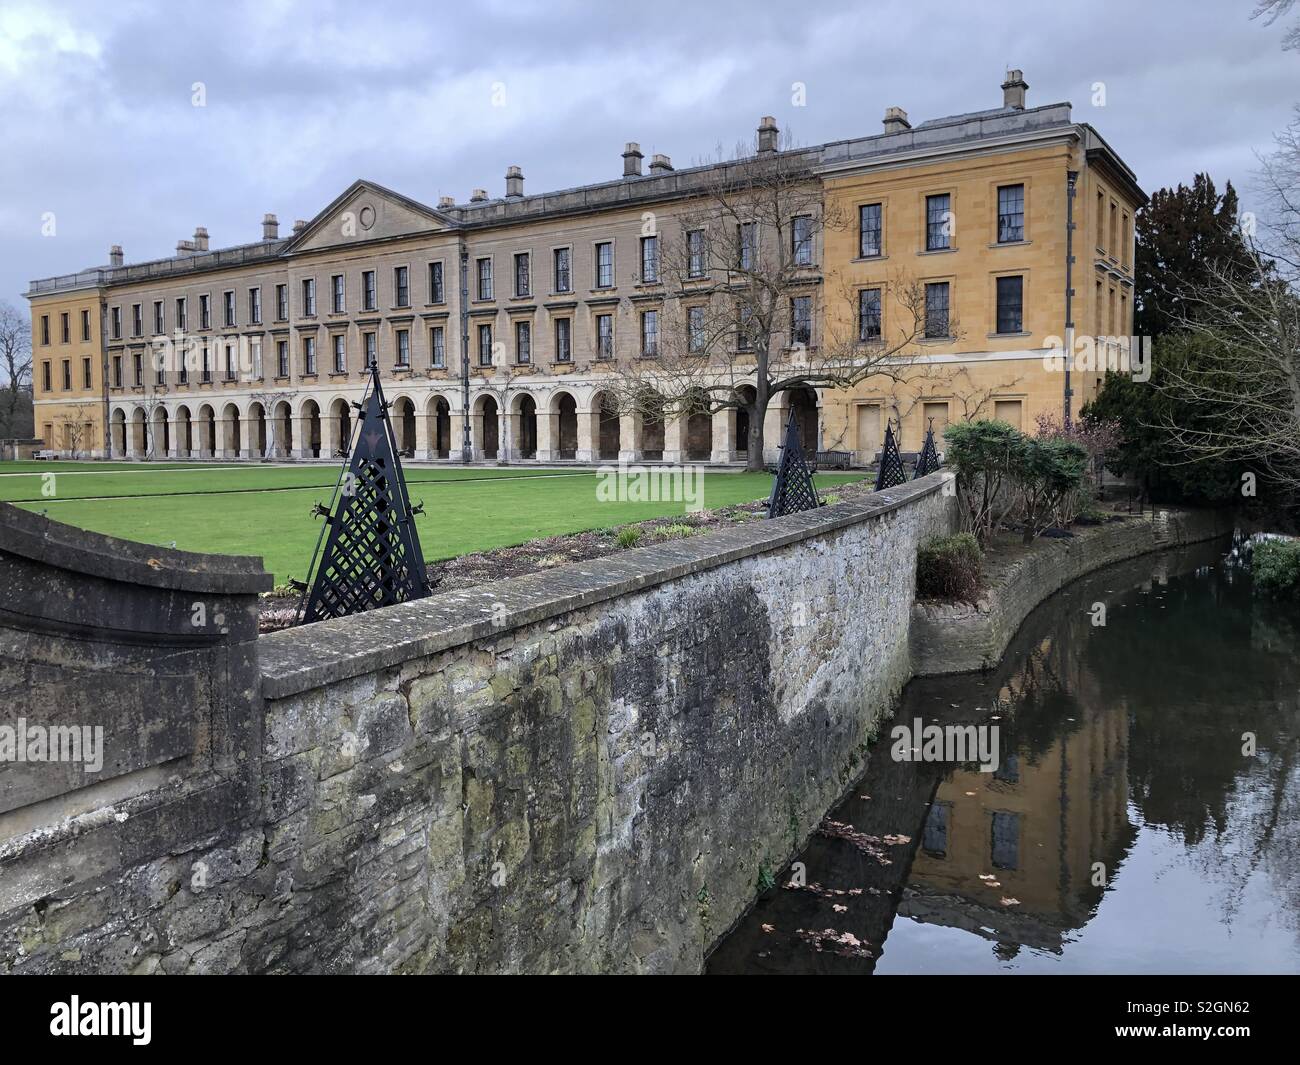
[
  {"x": 523, "y": 342},
  {"x": 340, "y": 353},
  {"x": 604, "y": 336},
  {"x": 369, "y": 291},
  {"x": 137, "y": 319},
  {"x": 205, "y": 311},
  {"x": 869, "y": 315},
  {"x": 115, "y": 326},
  {"x": 281, "y": 303},
  {"x": 255, "y": 357},
  {"x": 1010, "y": 411},
  {"x": 67, "y": 375},
  {"x": 695, "y": 330},
  {"x": 159, "y": 324},
  {"x": 563, "y": 279},
  {"x": 228, "y": 308},
  {"x": 85, "y": 325},
  {"x": 523, "y": 274},
  {"x": 47, "y": 383},
  {"x": 182, "y": 314},
  {"x": 160, "y": 369},
  {"x": 436, "y": 293},
  {"x": 485, "y": 279},
  {"x": 1005, "y": 840},
  {"x": 230, "y": 362},
  {"x": 801, "y": 320},
  {"x": 281, "y": 358},
  {"x": 605, "y": 265},
  {"x": 649, "y": 260},
  {"x": 1011, "y": 213},
  {"x": 338, "y": 295},
  {"x": 402, "y": 286},
  {"x": 563, "y": 340},
  {"x": 695, "y": 253},
  {"x": 1011, "y": 317},
  {"x": 1101, "y": 220},
  {"x": 934, "y": 836},
  {"x": 938, "y": 218},
  {"x": 649, "y": 333},
  {"x": 45, "y": 329},
  {"x": 403, "y": 347},
  {"x": 309, "y": 296},
  {"x": 1114, "y": 231},
  {"x": 437, "y": 348},
  {"x": 870, "y": 230},
  {"x": 87, "y": 378},
  {"x": 137, "y": 369},
  {"x": 117, "y": 373},
  {"x": 801, "y": 240},
  {"x": 485, "y": 345},
  {"x": 309, "y": 355},
  {"x": 745, "y": 236},
  {"x": 370, "y": 342},
  {"x": 65, "y": 328},
  {"x": 182, "y": 372},
  {"x": 255, "y": 306},
  {"x": 936, "y": 310},
  {"x": 205, "y": 369},
  {"x": 744, "y": 324}
]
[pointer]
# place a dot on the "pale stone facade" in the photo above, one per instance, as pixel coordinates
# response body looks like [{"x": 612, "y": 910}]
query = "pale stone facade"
[{"x": 278, "y": 332}]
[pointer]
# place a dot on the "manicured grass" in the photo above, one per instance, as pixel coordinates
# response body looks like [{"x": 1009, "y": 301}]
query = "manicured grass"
[{"x": 267, "y": 511}]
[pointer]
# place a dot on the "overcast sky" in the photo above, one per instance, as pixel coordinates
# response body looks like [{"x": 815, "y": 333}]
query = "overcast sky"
[{"x": 100, "y": 130}]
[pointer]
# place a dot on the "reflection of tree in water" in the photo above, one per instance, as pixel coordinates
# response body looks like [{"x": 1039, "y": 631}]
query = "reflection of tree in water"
[{"x": 1201, "y": 663}]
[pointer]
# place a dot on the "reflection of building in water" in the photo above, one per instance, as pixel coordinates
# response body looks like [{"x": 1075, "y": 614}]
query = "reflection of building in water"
[{"x": 1055, "y": 806}]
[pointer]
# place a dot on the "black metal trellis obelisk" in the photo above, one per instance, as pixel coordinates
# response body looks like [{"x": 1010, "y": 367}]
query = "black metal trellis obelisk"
[
  {"x": 891, "y": 473},
  {"x": 928, "y": 461},
  {"x": 372, "y": 555},
  {"x": 793, "y": 489}
]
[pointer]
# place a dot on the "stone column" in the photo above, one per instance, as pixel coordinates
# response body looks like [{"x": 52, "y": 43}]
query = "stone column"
[
  {"x": 629, "y": 437},
  {"x": 547, "y": 428},
  {"x": 423, "y": 433},
  {"x": 248, "y": 439},
  {"x": 725, "y": 443},
  {"x": 675, "y": 439},
  {"x": 455, "y": 426},
  {"x": 587, "y": 430},
  {"x": 774, "y": 427}
]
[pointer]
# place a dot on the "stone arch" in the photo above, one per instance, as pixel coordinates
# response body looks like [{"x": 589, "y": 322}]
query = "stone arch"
[
  {"x": 184, "y": 430},
  {"x": 339, "y": 427},
  {"x": 564, "y": 409},
  {"x": 309, "y": 418},
  {"x": 231, "y": 431},
  {"x": 606, "y": 427},
  {"x": 160, "y": 438},
  {"x": 256, "y": 429},
  {"x": 402, "y": 413},
  {"x": 438, "y": 411},
  {"x": 523, "y": 413},
  {"x": 282, "y": 430},
  {"x": 118, "y": 429},
  {"x": 803, "y": 401},
  {"x": 486, "y": 427},
  {"x": 207, "y": 432},
  {"x": 740, "y": 438}
]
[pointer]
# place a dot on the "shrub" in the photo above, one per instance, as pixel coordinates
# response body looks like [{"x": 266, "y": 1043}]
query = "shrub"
[
  {"x": 1275, "y": 567},
  {"x": 948, "y": 567},
  {"x": 1050, "y": 477},
  {"x": 628, "y": 537},
  {"x": 983, "y": 454},
  {"x": 676, "y": 531}
]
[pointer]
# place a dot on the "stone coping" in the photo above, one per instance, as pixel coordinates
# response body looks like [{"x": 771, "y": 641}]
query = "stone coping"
[
  {"x": 66, "y": 547},
  {"x": 295, "y": 660}
]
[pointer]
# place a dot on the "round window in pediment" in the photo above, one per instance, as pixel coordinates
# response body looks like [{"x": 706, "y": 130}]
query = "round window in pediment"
[{"x": 366, "y": 216}]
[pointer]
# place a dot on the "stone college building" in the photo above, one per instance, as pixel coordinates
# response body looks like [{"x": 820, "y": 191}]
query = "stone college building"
[{"x": 516, "y": 312}]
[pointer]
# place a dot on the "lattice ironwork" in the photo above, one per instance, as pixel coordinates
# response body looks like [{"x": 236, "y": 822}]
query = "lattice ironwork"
[
  {"x": 891, "y": 472},
  {"x": 793, "y": 490},
  {"x": 928, "y": 461},
  {"x": 372, "y": 555}
]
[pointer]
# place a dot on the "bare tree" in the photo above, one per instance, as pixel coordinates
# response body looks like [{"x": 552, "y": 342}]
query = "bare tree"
[
  {"x": 15, "y": 363},
  {"x": 740, "y": 282},
  {"x": 77, "y": 423}
]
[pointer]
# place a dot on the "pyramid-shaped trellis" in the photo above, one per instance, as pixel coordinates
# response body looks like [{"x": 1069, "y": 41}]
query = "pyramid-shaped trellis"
[
  {"x": 928, "y": 461},
  {"x": 793, "y": 489},
  {"x": 891, "y": 472},
  {"x": 372, "y": 555}
]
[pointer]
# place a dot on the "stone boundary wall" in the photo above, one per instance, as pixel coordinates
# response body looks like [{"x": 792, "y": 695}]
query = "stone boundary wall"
[
  {"x": 588, "y": 769},
  {"x": 965, "y": 637}
]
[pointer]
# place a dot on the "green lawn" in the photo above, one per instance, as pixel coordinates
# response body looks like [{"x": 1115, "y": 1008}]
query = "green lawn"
[{"x": 254, "y": 510}]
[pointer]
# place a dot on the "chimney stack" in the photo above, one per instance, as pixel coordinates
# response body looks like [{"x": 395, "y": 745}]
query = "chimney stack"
[
  {"x": 299, "y": 225},
  {"x": 270, "y": 227},
  {"x": 446, "y": 201},
  {"x": 632, "y": 159},
  {"x": 184, "y": 248},
  {"x": 201, "y": 238},
  {"x": 478, "y": 196},
  {"x": 514, "y": 183},
  {"x": 115, "y": 255},
  {"x": 1013, "y": 90},
  {"x": 767, "y": 134},
  {"x": 896, "y": 120},
  {"x": 660, "y": 164}
]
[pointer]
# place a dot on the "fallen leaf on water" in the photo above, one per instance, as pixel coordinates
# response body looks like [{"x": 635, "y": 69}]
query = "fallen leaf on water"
[
  {"x": 154, "y": 563},
  {"x": 987, "y": 876},
  {"x": 839, "y": 909},
  {"x": 897, "y": 841},
  {"x": 970, "y": 793},
  {"x": 768, "y": 928},
  {"x": 1010, "y": 902}
]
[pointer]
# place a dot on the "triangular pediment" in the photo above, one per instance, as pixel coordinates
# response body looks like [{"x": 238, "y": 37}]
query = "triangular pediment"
[{"x": 366, "y": 212}]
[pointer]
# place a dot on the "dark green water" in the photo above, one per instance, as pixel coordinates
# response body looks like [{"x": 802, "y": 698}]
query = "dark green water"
[{"x": 1125, "y": 826}]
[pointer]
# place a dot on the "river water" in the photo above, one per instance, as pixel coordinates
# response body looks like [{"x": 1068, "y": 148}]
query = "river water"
[{"x": 1130, "y": 827}]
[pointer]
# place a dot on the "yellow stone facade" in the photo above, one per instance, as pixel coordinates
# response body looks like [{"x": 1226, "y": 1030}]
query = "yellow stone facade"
[{"x": 264, "y": 362}]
